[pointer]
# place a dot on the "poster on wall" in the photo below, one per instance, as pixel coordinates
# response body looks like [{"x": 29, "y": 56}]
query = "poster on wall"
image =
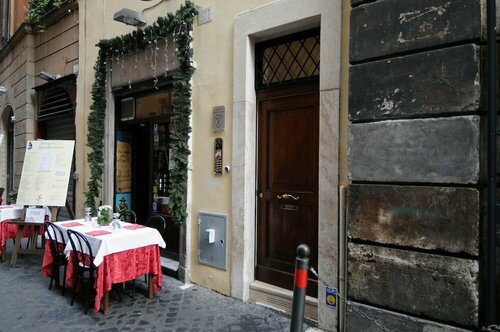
[
  {"x": 123, "y": 202},
  {"x": 123, "y": 180},
  {"x": 46, "y": 172}
]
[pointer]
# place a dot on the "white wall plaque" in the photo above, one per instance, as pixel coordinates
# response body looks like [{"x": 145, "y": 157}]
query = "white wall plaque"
[{"x": 218, "y": 118}]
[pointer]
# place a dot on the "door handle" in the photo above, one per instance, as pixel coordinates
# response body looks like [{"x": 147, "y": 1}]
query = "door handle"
[{"x": 287, "y": 196}]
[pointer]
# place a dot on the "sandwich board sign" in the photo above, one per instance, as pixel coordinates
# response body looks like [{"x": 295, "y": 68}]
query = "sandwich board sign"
[{"x": 46, "y": 172}]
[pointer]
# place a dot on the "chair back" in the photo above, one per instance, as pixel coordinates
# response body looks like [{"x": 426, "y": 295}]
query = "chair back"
[
  {"x": 128, "y": 216},
  {"x": 157, "y": 222},
  {"x": 82, "y": 251},
  {"x": 56, "y": 240}
]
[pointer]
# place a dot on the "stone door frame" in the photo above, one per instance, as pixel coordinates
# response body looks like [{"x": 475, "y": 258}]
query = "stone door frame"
[{"x": 266, "y": 22}]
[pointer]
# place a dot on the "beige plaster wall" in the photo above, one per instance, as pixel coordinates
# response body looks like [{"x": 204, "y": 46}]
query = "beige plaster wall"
[
  {"x": 96, "y": 23},
  {"x": 212, "y": 86}
]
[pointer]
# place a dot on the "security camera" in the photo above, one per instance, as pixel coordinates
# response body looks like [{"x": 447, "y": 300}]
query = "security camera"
[
  {"x": 13, "y": 119},
  {"x": 227, "y": 169}
]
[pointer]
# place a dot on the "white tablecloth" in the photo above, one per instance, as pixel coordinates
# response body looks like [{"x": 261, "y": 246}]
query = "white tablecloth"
[{"x": 118, "y": 240}]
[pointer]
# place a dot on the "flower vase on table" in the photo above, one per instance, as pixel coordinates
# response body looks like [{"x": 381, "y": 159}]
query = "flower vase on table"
[{"x": 105, "y": 215}]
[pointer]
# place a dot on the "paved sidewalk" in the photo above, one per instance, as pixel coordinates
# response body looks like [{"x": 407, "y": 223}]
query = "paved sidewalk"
[{"x": 26, "y": 304}]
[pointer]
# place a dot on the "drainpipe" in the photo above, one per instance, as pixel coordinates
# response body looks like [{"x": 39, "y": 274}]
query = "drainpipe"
[
  {"x": 492, "y": 111},
  {"x": 342, "y": 257}
]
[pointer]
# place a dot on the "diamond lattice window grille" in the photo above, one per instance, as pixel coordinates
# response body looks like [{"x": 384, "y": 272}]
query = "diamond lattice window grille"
[{"x": 289, "y": 59}]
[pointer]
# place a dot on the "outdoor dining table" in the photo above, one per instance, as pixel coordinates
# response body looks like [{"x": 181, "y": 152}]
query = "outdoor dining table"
[
  {"x": 120, "y": 255},
  {"x": 7, "y": 230}
]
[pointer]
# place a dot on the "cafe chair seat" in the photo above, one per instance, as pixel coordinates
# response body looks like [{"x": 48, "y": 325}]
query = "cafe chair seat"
[
  {"x": 128, "y": 216},
  {"x": 57, "y": 245},
  {"x": 85, "y": 270}
]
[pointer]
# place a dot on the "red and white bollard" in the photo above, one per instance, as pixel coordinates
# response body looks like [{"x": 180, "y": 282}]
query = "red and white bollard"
[{"x": 300, "y": 287}]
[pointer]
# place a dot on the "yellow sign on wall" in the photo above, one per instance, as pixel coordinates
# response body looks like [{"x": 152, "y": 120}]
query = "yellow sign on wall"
[{"x": 123, "y": 167}]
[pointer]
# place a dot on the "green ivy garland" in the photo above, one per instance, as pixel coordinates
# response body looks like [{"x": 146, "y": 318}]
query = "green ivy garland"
[
  {"x": 37, "y": 9},
  {"x": 180, "y": 25}
]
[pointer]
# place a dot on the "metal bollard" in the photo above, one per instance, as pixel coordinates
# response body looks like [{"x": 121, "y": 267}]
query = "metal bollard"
[{"x": 299, "y": 287}]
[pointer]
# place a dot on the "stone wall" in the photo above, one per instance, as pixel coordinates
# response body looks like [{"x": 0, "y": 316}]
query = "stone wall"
[
  {"x": 16, "y": 61},
  {"x": 414, "y": 151}
]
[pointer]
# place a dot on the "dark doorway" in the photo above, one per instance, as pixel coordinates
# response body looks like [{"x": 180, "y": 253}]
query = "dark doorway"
[
  {"x": 56, "y": 121},
  {"x": 150, "y": 180},
  {"x": 148, "y": 129}
]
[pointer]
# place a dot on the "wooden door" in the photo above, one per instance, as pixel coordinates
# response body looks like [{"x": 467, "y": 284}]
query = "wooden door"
[{"x": 287, "y": 194}]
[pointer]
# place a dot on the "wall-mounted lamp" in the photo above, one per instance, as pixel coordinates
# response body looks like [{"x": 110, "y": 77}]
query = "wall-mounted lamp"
[
  {"x": 129, "y": 17},
  {"x": 47, "y": 76},
  {"x": 2, "y": 89}
]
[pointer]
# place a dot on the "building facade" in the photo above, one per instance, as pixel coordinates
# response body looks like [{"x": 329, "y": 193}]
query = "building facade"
[
  {"x": 224, "y": 79},
  {"x": 37, "y": 106},
  {"x": 356, "y": 127}
]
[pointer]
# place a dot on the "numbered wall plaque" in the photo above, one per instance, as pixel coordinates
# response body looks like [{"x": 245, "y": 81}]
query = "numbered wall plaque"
[{"x": 218, "y": 118}]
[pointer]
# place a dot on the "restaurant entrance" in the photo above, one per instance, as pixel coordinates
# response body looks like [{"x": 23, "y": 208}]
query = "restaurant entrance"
[{"x": 146, "y": 134}]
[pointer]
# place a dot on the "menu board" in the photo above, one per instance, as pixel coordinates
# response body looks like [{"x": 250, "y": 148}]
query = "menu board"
[{"x": 46, "y": 171}]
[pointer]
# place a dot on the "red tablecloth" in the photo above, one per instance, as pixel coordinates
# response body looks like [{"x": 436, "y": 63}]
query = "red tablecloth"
[
  {"x": 47, "y": 259},
  {"x": 9, "y": 231},
  {"x": 116, "y": 268}
]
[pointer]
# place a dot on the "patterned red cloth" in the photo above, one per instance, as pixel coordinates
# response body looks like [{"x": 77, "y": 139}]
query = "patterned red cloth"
[
  {"x": 133, "y": 226},
  {"x": 98, "y": 232},
  {"x": 47, "y": 259},
  {"x": 9, "y": 231},
  {"x": 72, "y": 224},
  {"x": 120, "y": 267}
]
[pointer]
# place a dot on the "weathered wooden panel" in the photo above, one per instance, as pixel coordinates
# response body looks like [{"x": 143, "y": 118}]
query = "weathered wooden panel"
[
  {"x": 444, "y": 150},
  {"x": 437, "y": 82},
  {"x": 392, "y": 26},
  {"x": 391, "y": 321},
  {"x": 439, "y": 287},
  {"x": 418, "y": 217}
]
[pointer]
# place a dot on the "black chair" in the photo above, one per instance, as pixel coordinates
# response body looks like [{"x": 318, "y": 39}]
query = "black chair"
[
  {"x": 128, "y": 216},
  {"x": 57, "y": 245},
  {"x": 83, "y": 261},
  {"x": 159, "y": 223}
]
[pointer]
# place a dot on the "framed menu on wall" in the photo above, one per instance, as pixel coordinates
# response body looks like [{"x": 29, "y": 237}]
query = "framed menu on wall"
[{"x": 46, "y": 172}]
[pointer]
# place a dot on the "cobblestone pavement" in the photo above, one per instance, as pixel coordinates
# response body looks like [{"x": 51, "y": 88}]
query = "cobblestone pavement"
[{"x": 26, "y": 304}]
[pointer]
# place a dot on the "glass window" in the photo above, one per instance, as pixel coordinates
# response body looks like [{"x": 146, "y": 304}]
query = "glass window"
[{"x": 289, "y": 59}]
